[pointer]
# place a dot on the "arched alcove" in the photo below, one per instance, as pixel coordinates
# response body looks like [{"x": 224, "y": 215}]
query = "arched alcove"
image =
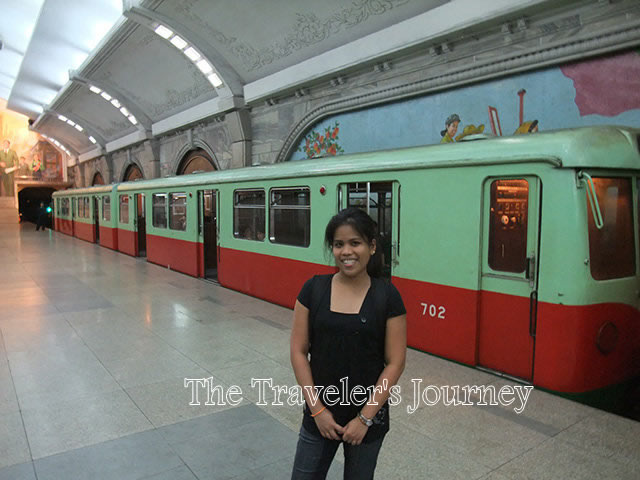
[
  {"x": 132, "y": 173},
  {"x": 97, "y": 179},
  {"x": 197, "y": 160}
]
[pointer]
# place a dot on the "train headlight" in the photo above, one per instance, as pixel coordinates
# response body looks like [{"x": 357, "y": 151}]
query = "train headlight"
[{"x": 607, "y": 338}]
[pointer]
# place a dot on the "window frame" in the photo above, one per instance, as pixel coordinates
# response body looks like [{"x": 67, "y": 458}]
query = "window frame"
[
  {"x": 164, "y": 210},
  {"x": 608, "y": 260},
  {"x": 493, "y": 234},
  {"x": 171, "y": 207},
  {"x": 275, "y": 208},
  {"x": 236, "y": 207},
  {"x": 106, "y": 208},
  {"x": 121, "y": 210}
]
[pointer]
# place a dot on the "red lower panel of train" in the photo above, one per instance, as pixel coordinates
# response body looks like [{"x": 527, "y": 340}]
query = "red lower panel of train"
[
  {"x": 275, "y": 279},
  {"x": 85, "y": 231},
  {"x": 64, "y": 226},
  {"x": 109, "y": 237},
  {"x": 568, "y": 358},
  {"x": 128, "y": 242},
  {"x": 468, "y": 326},
  {"x": 492, "y": 330},
  {"x": 178, "y": 255}
]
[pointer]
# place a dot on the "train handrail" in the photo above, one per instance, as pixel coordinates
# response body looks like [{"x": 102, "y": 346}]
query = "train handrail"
[{"x": 593, "y": 198}]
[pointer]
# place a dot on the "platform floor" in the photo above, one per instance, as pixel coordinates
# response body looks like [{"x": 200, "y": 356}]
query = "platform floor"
[{"x": 95, "y": 347}]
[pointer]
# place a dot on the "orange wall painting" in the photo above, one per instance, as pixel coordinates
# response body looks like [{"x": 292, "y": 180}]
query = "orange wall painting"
[{"x": 37, "y": 158}]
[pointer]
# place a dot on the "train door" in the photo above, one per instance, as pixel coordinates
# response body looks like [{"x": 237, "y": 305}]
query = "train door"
[
  {"x": 96, "y": 219},
  {"x": 508, "y": 297},
  {"x": 208, "y": 231},
  {"x": 141, "y": 225},
  {"x": 377, "y": 199},
  {"x": 73, "y": 217}
]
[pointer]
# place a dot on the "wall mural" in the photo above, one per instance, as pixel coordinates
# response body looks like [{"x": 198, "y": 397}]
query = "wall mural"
[
  {"x": 23, "y": 153},
  {"x": 601, "y": 91}
]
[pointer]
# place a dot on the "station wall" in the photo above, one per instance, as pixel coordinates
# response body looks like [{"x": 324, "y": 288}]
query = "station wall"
[{"x": 605, "y": 90}]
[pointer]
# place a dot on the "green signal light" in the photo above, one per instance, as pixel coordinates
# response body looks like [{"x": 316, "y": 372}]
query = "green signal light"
[{"x": 48, "y": 209}]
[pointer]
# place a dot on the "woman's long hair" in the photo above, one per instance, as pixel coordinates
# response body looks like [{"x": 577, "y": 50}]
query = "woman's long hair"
[{"x": 362, "y": 223}]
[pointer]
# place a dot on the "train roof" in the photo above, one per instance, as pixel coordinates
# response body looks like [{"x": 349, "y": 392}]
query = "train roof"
[
  {"x": 86, "y": 190},
  {"x": 609, "y": 147}
]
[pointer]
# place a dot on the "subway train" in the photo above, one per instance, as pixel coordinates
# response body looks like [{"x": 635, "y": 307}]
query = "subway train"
[{"x": 519, "y": 255}]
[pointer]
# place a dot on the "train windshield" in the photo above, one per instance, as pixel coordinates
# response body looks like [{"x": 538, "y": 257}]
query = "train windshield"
[{"x": 612, "y": 248}]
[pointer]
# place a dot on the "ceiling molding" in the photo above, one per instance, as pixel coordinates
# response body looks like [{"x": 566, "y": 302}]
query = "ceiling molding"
[
  {"x": 144, "y": 121},
  {"x": 232, "y": 84},
  {"x": 428, "y": 27},
  {"x": 88, "y": 127}
]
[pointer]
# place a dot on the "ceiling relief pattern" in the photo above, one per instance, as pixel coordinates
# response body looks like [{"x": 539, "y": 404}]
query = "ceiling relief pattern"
[
  {"x": 68, "y": 136},
  {"x": 96, "y": 111},
  {"x": 307, "y": 30},
  {"x": 144, "y": 60}
]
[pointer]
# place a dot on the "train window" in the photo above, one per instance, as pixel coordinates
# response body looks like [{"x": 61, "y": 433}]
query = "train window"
[
  {"x": 290, "y": 216},
  {"x": 248, "y": 214},
  {"x": 106, "y": 208},
  {"x": 508, "y": 225},
  {"x": 377, "y": 200},
  {"x": 611, "y": 248},
  {"x": 159, "y": 210},
  {"x": 81, "y": 207},
  {"x": 73, "y": 207},
  {"x": 178, "y": 211},
  {"x": 87, "y": 208},
  {"x": 124, "y": 209}
]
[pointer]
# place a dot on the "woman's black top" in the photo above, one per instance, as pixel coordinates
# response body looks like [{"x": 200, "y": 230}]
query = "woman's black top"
[{"x": 347, "y": 350}]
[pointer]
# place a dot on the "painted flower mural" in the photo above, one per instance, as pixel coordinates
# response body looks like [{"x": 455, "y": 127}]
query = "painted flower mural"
[{"x": 322, "y": 144}]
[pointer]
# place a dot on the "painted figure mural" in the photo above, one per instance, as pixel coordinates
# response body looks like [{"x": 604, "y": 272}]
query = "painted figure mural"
[
  {"x": 23, "y": 153},
  {"x": 600, "y": 91},
  {"x": 450, "y": 128}
]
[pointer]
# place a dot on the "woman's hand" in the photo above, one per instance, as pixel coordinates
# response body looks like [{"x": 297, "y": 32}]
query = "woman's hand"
[
  {"x": 327, "y": 425},
  {"x": 354, "y": 432}
]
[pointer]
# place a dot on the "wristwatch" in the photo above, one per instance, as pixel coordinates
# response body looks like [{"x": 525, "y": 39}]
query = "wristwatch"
[{"x": 366, "y": 421}]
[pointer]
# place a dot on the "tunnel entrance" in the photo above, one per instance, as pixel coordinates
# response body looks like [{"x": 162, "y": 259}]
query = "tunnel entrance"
[{"x": 29, "y": 200}]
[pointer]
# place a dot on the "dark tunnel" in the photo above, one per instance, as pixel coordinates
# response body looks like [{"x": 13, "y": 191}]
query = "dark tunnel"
[{"x": 29, "y": 200}]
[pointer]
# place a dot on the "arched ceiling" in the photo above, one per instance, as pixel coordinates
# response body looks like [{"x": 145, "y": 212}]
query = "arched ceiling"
[{"x": 57, "y": 51}]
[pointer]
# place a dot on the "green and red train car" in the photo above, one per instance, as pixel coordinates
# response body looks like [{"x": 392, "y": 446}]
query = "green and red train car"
[{"x": 516, "y": 254}]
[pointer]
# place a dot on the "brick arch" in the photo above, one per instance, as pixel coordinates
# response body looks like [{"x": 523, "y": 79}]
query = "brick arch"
[
  {"x": 186, "y": 149},
  {"x": 98, "y": 179},
  {"x": 131, "y": 172}
]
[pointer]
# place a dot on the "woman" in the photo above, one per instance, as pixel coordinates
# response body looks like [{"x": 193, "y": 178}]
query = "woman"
[
  {"x": 450, "y": 128},
  {"x": 354, "y": 326}
]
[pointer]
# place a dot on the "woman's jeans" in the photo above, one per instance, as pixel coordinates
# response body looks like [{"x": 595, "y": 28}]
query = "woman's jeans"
[{"x": 315, "y": 453}]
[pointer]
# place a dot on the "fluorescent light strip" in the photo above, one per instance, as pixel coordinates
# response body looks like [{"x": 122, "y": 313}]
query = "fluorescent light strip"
[
  {"x": 214, "y": 79},
  {"x": 191, "y": 53},
  {"x": 179, "y": 42},
  {"x": 204, "y": 66},
  {"x": 163, "y": 31},
  {"x": 115, "y": 102},
  {"x": 77, "y": 126}
]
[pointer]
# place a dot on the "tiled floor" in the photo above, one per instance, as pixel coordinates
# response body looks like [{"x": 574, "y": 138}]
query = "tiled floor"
[{"x": 95, "y": 347}]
